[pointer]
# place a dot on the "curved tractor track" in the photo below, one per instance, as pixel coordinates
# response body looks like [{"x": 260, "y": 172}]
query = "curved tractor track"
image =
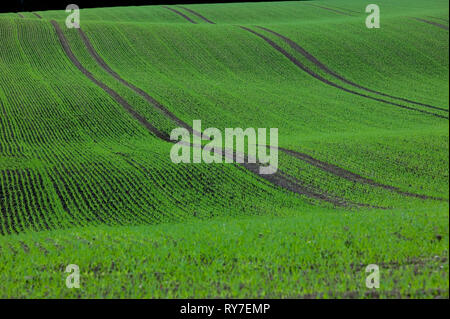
[
  {"x": 180, "y": 14},
  {"x": 197, "y": 14},
  {"x": 107, "y": 89},
  {"x": 350, "y": 11},
  {"x": 311, "y": 58},
  {"x": 330, "y": 168},
  {"x": 330, "y": 9},
  {"x": 350, "y": 176},
  {"x": 437, "y": 18},
  {"x": 279, "y": 178},
  {"x": 139, "y": 91},
  {"x": 326, "y": 81},
  {"x": 323, "y": 67},
  {"x": 432, "y": 23}
]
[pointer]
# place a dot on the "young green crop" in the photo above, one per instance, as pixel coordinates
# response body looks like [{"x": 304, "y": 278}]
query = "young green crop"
[
  {"x": 74, "y": 161},
  {"x": 316, "y": 253}
]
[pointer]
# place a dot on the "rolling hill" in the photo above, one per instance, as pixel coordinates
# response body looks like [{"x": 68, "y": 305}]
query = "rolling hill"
[{"x": 362, "y": 115}]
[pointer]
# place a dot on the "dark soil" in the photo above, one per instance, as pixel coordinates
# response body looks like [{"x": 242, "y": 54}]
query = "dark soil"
[
  {"x": 322, "y": 79},
  {"x": 323, "y": 67},
  {"x": 139, "y": 91},
  {"x": 107, "y": 89},
  {"x": 197, "y": 14},
  {"x": 350, "y": 176},
  {"x": 180, "y": 14},
  {"x": 433, "y": 23},
  {"x": 278, "y": 178},
  {"x": 329, "y": 9}
]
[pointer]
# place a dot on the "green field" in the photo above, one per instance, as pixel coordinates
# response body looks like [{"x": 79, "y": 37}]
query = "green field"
[{"x": 362, "y": 115}]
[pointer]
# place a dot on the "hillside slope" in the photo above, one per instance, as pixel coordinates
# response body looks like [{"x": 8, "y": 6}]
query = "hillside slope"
[{"x": 362, "y": 116}]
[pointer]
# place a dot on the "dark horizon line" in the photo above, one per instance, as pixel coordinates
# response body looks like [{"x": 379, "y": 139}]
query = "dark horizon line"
[{"x": 31, "y": 5}]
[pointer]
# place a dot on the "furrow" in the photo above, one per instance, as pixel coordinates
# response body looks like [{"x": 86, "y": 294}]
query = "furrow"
[
  {"x": 432, "y": 23},
  {"x": 139, "y": 91},
  {"x": 180, "y": 14},
  {"x": 323, "y": 67},
  {"x": 105, "y": 88},
  {"x": 322, "y": 79},
  {"x": 278, "y": 178},
  {"x": 350, "y": 176},
  {"x": 197, "y": 14},
  {"x": 329, "y": 9}
]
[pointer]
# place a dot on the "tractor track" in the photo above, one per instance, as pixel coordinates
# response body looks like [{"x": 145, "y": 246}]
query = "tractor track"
[
  {"x": 20, "y": 15},
  {"x": 139, "y": 91},
  {"x": 324, "y": 80},
  {"x": 330, "y": 9},
  {"x": 437, "y": 18},
  {"x": 286, "y": 181},
  {"x": 432, "y": 23},
  {"x": 37, "y": 15},
  {"x": 330, "y": 168},
  {"x": 180, "y": 14},
  {"x": 345, "y": 9},
  {"x": 278, "y": 178},
  {"x": 197, "y": 14},
  {"x": 108, "y": 90},
  {"x": 311, "y": 58},
  {"x": 323, "y": 67},
  {"x": 350, "y": 176}
]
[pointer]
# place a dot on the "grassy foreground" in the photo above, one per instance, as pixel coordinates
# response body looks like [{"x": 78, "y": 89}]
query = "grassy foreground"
[{"x": 320, "y": 253}]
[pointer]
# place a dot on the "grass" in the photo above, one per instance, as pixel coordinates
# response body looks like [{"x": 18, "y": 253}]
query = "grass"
[
  {"x": 81, "y": 181},
  {"x": 273, "y": 257}
]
